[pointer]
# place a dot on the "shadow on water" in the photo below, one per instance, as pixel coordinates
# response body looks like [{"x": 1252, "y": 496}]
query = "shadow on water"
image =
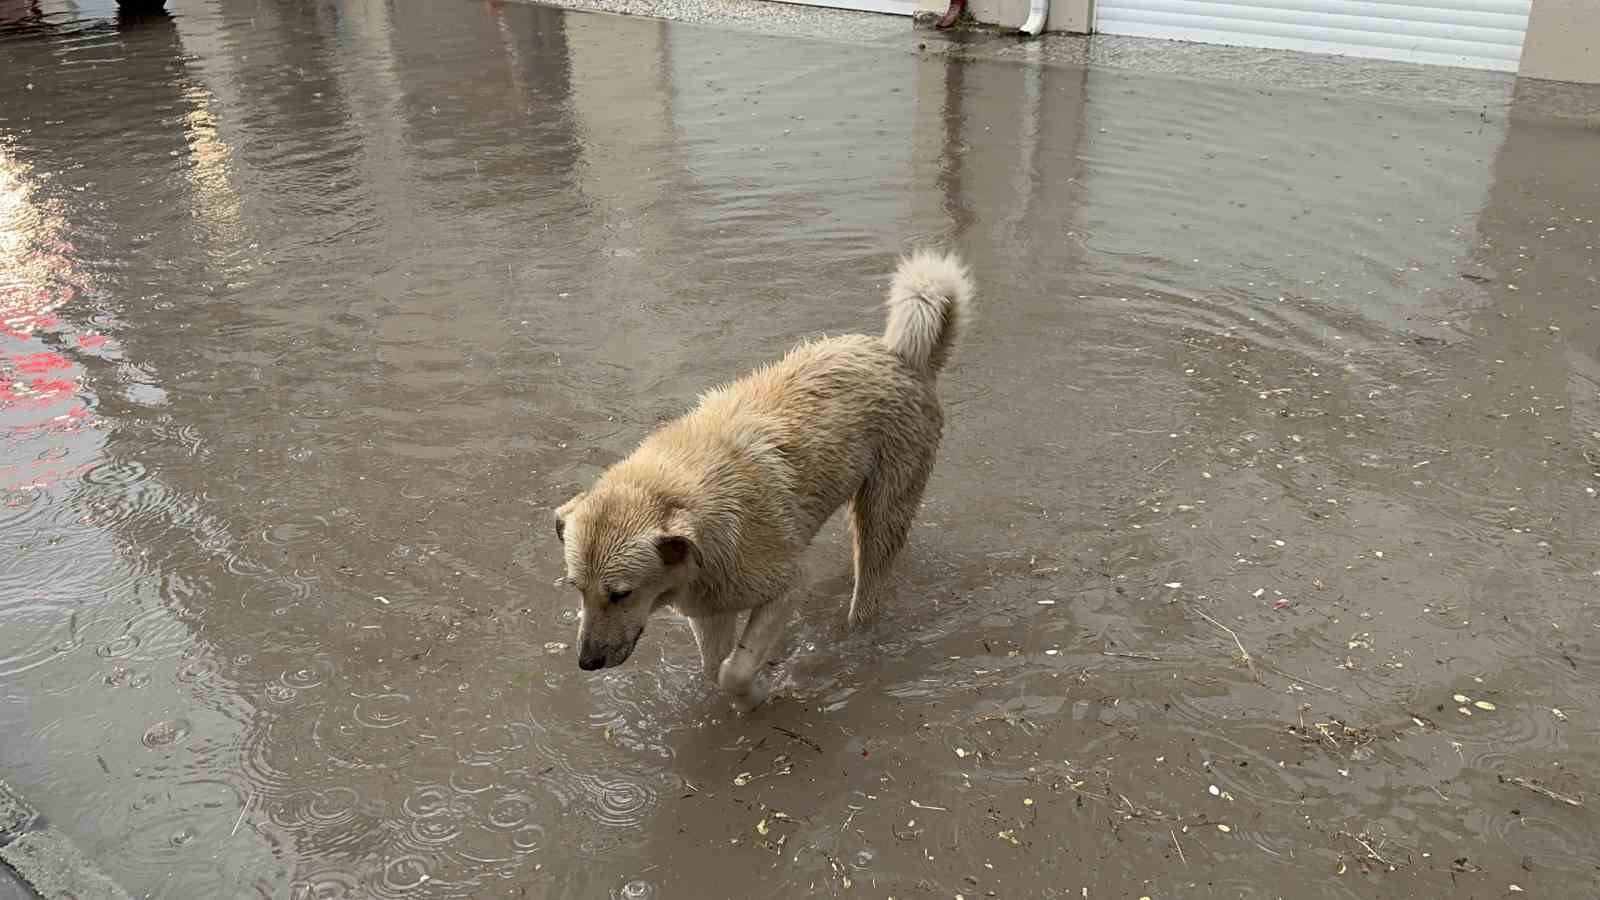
[{"x": 311, "y": 312}]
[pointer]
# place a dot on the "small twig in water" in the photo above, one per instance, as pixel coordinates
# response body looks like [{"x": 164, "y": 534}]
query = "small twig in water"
[
  {"x": 758, "y": 745},
  {"x": 850, "y": 818},
  {"x": 1158, "y": 465},
  {"x": 908, "y": 836},
  {"x": 1126, "y": 655},
  {"x": 1175, "y": 843},
  {"x": 798, "y": 737},
  {"x": 1540, "y": 789},
  {"x": 240, "y": 821},
  {"x": 1371, "y": 853},
  {"x": 1249, "y": 660},
  {"x": 1307, "y": 682}
]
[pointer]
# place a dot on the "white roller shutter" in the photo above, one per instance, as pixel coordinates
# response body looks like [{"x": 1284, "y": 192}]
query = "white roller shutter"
[{"x": 1479, "y": 34}]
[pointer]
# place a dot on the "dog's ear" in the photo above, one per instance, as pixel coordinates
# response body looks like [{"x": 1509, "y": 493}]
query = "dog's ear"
[
  {"x": 563, "y": 512},
  {"x": 675, "y": 549},
  {"x": 680, "y": 540}
]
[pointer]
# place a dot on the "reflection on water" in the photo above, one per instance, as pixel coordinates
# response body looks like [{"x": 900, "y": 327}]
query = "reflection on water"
[{"x": 309, "y": 312}]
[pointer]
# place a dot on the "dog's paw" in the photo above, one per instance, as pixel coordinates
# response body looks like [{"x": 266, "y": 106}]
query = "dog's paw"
[
  {"x": 748, "y": 702},
  {"x": 737, "y": 678},
  {"x": 861, "y": 618},
  {"x": 737, "y": 674}
]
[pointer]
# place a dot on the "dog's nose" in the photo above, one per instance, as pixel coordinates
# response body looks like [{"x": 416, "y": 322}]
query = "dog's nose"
[{"x": 589, "y": 660}]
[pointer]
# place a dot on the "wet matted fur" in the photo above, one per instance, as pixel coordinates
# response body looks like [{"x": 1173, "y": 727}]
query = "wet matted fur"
[{"x": 712, "y": 512}]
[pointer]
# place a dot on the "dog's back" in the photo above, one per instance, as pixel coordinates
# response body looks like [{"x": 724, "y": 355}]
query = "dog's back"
[
  {"x": 833, "y": 409},
  {"x": 849, "y": 417}
]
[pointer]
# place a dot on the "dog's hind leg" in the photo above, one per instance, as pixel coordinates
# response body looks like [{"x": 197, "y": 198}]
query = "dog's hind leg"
[
  {"x": 761, "y": 632},
  {"x": 715, "y": 635},
  {"x": 880, "y": 519}
]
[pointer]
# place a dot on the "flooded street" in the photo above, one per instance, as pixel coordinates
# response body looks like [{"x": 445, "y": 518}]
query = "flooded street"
[{"x": 1262, "y": 559}]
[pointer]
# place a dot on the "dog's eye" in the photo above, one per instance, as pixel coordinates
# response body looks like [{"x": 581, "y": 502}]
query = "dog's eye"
[{"x": 619, "y": 596}]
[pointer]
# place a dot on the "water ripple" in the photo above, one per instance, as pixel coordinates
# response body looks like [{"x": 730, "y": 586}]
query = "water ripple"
[
  {"x": 404, "y": 876},
  {"x": 180, "y": 823},
  {"x": 616, "y": 801},
  {"x": 382, "y": 710}
]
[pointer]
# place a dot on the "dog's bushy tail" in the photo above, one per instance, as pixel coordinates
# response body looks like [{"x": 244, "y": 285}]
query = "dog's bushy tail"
[{"x": 929, "y": 302}]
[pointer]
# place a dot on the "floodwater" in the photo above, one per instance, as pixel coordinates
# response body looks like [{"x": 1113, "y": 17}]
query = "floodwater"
[{"x": 313, "y": 310}]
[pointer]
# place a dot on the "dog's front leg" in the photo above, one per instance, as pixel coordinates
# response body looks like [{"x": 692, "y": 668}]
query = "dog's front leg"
[
  {"x": 715, "y": 635},
  {"x": 739, "y": 670}
]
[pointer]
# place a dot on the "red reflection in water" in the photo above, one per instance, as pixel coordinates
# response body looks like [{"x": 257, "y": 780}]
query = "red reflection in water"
[{"x": 40, "y": 388}]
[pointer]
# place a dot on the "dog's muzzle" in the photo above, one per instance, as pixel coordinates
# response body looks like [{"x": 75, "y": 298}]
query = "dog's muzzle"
[{"x": 592, "y": 657}]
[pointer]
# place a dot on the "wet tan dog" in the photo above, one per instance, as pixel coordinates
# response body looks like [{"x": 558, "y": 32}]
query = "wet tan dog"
[{"x": 710, "y": 515}]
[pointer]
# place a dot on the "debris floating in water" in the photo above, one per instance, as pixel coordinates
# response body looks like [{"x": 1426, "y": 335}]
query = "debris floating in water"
[{"x": 1533, "y": 784}]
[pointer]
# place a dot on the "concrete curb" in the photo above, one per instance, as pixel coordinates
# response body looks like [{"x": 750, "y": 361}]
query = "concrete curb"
[{"x": 43, "y": 858}]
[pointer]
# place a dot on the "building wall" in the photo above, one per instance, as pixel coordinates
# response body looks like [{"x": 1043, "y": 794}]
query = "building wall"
[{"x": 1563, "y": 42}]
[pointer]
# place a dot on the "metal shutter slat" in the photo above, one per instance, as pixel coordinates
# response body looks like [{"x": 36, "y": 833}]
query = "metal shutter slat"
[{"x": 1477, "y": 33}]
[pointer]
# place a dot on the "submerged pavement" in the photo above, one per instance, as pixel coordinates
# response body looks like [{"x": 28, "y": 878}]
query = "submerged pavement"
[{"x": 1261, "y": 557}]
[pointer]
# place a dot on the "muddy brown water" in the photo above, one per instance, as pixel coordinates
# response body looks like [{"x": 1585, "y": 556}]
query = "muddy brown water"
[{"x": 312, "y": 310}]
